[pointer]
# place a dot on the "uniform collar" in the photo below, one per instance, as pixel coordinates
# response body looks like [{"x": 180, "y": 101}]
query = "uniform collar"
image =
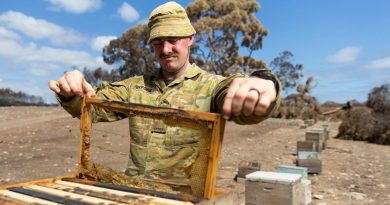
[{"x": 192, "y": 72}]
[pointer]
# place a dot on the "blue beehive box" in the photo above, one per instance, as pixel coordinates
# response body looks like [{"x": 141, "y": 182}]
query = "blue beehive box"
[{"x": 292, "y": 170}]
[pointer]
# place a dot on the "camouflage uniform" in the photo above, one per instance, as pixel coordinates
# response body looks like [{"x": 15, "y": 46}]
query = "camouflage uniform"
[{"x": 156, "y": 150}]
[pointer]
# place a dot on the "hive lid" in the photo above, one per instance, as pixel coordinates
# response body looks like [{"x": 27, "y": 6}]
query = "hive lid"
[
  {"x": 292, "y": 170},
  {"x": 317, "y": 129},
  {"x": 274, "y": 177}
]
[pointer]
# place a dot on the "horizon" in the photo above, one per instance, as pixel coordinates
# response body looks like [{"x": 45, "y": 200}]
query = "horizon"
[{"x": 344, "y": 45}]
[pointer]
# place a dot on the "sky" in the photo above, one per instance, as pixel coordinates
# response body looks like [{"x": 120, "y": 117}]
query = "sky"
[{"x": 343, "y": 44}]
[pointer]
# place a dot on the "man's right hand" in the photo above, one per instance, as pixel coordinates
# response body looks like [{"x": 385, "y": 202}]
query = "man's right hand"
[{"x": 71, "y": 84}]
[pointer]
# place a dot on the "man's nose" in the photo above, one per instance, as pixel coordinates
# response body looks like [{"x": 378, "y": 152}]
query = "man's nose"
[{"x": 166, "y": 47}]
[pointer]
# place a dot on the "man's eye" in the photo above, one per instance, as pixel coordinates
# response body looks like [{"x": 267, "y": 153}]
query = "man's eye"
[
  {"x": 157, "y": 43},
  {"x": 160, "y": 42},
  {"x": 172, "y": 41}
]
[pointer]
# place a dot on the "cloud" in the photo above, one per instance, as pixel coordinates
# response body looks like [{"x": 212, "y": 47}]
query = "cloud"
[
  {"x": 40, "y": 29},
  {"x": 76, "y": 6},
  {"x": 380, "y": 63},
  {"x": 7, "y": 34},
  {"x": 18, "y": 52},
  {"x": 345, "y": 55},
  {"x": 31, "y": 66},
  {"x": 128, "y": 13},
  {"x": 99, "y": 42},
  {"x": 43, "y": 69}
]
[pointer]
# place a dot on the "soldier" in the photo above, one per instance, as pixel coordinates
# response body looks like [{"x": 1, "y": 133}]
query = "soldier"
[{"x": 158, "y": 151}]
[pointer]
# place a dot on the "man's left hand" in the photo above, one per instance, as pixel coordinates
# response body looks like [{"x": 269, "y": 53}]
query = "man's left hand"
[{"x": 248, "y": 96}]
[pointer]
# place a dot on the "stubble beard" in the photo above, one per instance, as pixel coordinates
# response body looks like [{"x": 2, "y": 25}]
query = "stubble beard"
[{"x": 171, "y": 74}]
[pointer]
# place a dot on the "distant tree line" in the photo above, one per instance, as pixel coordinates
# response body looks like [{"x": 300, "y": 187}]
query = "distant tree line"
[{"x": 9, "y": 97}]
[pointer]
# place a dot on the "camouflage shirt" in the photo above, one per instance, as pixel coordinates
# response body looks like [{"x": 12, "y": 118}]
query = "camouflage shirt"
[{"x": 158, "y": 151}]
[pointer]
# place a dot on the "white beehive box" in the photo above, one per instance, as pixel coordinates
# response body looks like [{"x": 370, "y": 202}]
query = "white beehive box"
[
  {"x": 273, "y": 188},
  {"x": 306, "y": 188}
]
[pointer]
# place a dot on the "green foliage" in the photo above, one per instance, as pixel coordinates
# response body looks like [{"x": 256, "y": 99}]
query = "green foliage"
[{"x": 288, "y": 73}]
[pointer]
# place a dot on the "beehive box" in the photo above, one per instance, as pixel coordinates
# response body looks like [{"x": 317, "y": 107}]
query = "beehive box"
[
  {"x": 80, "y": 189},
  {"x": 310, "y": 146},
  {"x": 310, "y": 160},
  {"x": 325, "y": 134},
  {"x": 272, "y": 188},
  {"x": 247, "y": 167},
  {"x": 305, "y": 185},
  {"x": 309, "y": 122},
  {"x": 317, "y": 137},
  {"x": 306, "y": 188},
  {"x": 326, "y": 130}
]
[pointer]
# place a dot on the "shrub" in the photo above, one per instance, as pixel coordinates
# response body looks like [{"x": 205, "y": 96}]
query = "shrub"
[{"x": 371, "y": 122}]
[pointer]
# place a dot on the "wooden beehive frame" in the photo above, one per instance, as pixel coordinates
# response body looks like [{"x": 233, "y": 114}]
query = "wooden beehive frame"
[
  {"x": 183, "y": 117},
  {"x": 72, "y": 190}
]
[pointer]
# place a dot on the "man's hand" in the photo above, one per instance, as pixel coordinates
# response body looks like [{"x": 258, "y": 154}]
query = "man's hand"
[
  {"x": 71, "y": 84},
  {"x": 249, "y": 96}
]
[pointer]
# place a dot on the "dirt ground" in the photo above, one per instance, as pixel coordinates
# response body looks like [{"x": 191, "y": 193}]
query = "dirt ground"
[{"x": 42, "y": 142}]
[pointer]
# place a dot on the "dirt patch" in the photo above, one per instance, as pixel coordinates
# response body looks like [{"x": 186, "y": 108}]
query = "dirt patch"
[{"x": 42, "y": 142}]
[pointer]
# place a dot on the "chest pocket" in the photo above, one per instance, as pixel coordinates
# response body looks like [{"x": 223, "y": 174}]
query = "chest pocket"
[{"x": 183, "y": 101}]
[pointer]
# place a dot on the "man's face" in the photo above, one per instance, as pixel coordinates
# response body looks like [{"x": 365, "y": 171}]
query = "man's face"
[{"x": 172, "y": 53}]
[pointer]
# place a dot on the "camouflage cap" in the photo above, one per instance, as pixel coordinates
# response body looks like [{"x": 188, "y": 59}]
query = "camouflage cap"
[{"x": 169, "y": 20}]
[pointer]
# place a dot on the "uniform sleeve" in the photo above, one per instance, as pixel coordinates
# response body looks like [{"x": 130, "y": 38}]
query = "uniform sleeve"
[
  {"x": 221, "y": 91},
  {"x": 117, "y": 91}
]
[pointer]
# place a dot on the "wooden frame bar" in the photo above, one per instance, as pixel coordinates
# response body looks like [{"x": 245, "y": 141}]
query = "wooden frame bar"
[
  {"x": 15, "y": 198},
  {"x": 113, "y": 194},
  {"x": 38, "y": 181},
  {"x": 188, "y": 198},
  {"x": 44, "y": 196},
  {"x": 172, "y": 116}
]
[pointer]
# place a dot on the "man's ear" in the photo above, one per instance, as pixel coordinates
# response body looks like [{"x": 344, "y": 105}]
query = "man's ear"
[{"x": 191, "y": 39}]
